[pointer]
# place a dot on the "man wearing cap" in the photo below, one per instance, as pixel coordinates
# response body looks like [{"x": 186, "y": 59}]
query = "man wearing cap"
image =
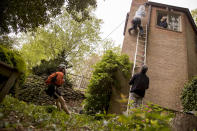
[
  {"x": 54, "y": 81},
  {"x": 139, "y": 83}
]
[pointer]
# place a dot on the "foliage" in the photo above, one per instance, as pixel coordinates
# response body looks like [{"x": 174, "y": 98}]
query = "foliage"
[
  {"x": 86, "y": 66},
  {"x": 14, "y": 59},
  {"x": 149, "y": 118},
  {"x": 48, "y": 67},
  {"x": 194, "y": 15},
  {"x": 103, "y": 79},
  {"x": 21, "y": 15},
  {"x": 80, "y": 10},
  {"x": 189, "y": 95},
  {"x": 110, "y": 45},
  {"x": 6, "y": 41},
  {"x": 62, "y": 35}
]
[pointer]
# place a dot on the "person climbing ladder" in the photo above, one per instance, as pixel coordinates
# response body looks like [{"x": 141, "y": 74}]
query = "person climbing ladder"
[
  {"x": 54, "y": 81},
  {"x": 137, "y": 20}
]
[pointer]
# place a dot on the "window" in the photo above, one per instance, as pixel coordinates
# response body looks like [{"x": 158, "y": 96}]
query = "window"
[{"x": 169, "y": 21}]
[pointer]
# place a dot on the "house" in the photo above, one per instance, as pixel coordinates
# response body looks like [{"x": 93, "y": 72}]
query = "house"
[{"x": 170, "y": 53}]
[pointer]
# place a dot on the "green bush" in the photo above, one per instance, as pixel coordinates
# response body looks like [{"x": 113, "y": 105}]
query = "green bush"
[
  {"x": 50, "y": 66},
  {"x": 103, "y": 79},
  {"x": 4, "y": 56},
  {"x": 189, "y": 95},
  {"x": 14, "y": 59}
]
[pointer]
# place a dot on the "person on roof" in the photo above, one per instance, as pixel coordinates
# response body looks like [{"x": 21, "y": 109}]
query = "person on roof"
[
  {"x": 54, "y": 81},
  {"x": 137, "y": 20},
  {"x": 139, "y": 83}
]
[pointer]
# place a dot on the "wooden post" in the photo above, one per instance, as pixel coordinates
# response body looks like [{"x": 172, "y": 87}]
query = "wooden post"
[
  {"x": 16, "y": 86},
  {"x": 8, "y": 85}
]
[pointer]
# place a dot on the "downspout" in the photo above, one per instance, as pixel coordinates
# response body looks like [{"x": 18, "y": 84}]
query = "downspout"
[{"x": 149, "y": 17}]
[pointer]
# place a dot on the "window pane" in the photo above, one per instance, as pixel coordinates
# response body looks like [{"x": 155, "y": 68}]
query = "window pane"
[
  {"x": 169, "y": 20},
  {"x": 174, "y": 22}
]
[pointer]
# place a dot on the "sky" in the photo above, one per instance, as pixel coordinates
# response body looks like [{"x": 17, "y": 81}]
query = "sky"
[{"x": 113, "y": 13}]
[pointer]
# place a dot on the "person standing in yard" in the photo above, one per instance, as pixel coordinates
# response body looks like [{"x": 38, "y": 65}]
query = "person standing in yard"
[
  {"x": 54, "y": 81},
  {"x": 139, "y": 83}
]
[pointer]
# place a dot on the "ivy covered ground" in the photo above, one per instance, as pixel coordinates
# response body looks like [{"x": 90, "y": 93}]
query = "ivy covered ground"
[{"x": 15, "y": 114}]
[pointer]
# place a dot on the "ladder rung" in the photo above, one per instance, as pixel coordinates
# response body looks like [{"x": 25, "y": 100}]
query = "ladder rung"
[
  {"x": 141, "y": 45},
  {"x": 141, "y": 50},
  {"x": 139, "y": 61},
  {"x": 137, "y": 66},
  {"x": 142, "y": 36},
  {"x": 141, "y": 40},
  {"x": 140, "y": 56}
]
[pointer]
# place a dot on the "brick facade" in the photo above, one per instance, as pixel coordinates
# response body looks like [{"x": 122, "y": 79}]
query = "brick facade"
[{"x": 171, "y": 57}]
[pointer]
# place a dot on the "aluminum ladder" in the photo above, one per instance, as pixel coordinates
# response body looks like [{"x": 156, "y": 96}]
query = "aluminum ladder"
[{"x": 140, "y": 56}]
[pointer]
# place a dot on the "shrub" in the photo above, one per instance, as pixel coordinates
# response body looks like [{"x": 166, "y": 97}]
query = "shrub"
[
  {"x": 14, "y": 59},
  {"x": 50, "y": 66},
  {"x": 103, "y": 79},
  {"x": 45, "y": 67},
  {"x": 189, "y": 95}
]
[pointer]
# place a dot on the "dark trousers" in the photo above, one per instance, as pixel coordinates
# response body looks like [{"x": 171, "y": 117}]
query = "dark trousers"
[
  {"x": 136, "y": 23},
  {"x": 52, "y": 91}
]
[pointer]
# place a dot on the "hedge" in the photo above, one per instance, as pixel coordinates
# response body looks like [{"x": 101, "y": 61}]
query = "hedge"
[
  {"x": 189, "y": 95},
  {"x": 103, "y": 79}
]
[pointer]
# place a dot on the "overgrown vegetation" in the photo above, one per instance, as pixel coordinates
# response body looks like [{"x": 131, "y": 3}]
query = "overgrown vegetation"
[
  {"x": 7, "y": 41},
  {"x": 103, "y": 79},
  {"x": 17, "y": 114},
  {"x": 50, "y": 66},
  {"x": 14, "y": 59},
  {"x": 189, "y": 95}
]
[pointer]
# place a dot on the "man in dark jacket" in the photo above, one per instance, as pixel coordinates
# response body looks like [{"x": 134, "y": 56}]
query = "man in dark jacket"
[
  {"x": 139, "y": 82},
  {"x": 163, "y": 23}
]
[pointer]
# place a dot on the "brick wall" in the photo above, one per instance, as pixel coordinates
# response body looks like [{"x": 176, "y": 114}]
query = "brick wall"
[
  {"x": 171, "y": 58},
  {"x": 191, "y": 42},
  {"x": 129, "y": 42},
  {"x": 167, "y": 61}
]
